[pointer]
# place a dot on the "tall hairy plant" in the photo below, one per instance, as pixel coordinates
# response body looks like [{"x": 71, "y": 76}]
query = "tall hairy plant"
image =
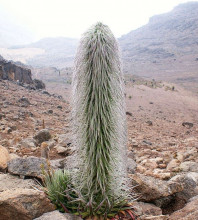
[{"x": 99, "y": 123}]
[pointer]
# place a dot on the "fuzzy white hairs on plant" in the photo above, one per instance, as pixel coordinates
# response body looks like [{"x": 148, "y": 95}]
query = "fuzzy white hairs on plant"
[{"x": 99, "y": 120}]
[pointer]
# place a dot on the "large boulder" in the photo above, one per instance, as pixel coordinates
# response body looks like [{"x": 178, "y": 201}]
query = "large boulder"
[
  {"x": 189, "y": 166},
  {"x": 56, "y": 215},
  {"x": 8, "y": 181},
  {"x": 23, "y": 204},
  {"x": 4, "y": 158},
  {"x": 142, "y": 209},
  {"x": 189, "y": 212},
  {"x": 30, "y": 166},
  {"x": 11, "y": 71},
  {"x": 190, "y": 184},
  {"x": 159, "y": 192},
  {"x": 150, "y": 189},
  {"x": 178, "y": 200}
]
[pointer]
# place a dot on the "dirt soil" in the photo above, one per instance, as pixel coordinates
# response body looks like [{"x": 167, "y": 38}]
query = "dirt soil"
[{"x": 154, "y": 118}]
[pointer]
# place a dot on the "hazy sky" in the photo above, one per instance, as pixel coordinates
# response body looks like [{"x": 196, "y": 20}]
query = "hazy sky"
[{"x": 70, "y": 18}]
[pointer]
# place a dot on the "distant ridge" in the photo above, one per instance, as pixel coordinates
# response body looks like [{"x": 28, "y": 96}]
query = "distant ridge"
[
  {"x": 166, "y": 48},
  {"x": 59, "y": 52}
]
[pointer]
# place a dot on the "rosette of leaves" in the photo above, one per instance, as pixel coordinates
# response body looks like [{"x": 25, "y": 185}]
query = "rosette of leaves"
[
  {"x": 99, "y": 125},
  {"x": 60, "y": 190}
]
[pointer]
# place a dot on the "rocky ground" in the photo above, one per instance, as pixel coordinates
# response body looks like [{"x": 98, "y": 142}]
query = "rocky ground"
[{"x": 162, "y": 149}]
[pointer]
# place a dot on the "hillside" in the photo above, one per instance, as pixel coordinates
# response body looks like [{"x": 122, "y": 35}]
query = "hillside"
[
  {"x": 59, "y": 52},
  {"x": 162, "y": 143},
  {"x": 164, "y": 108},
  {"x": 47, "y": 52},
  {"x": 166, "y": 48}
]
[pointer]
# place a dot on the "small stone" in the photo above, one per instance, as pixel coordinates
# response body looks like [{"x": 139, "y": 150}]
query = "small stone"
[
  {"x": 8, "y": 130},
  {"x": 24, "y": 102},
  {"x": 42, "y": 135},
  {"x": 190, "y": 154},
  {"x": 131, "y": 155},
  {"x": 162, "y": 166},
  {"x": 146, "y": 142},
  {"x": 45, "y": 150},
  {"x": 149, "y": 163},
  {"x": 38, "y": 84},
  {"x": 140, "y": 169},
  {"x": 15, "y": 118},
  {"x": 149, "y": 123},
  {"x": 173, "y": 164},
  {"x": 187, "y": 124},
  {"x": 28, "y": 143},
  {"x": 134, "y": 143},
  {"x": 62, "y": 150},
  {"x": 1, "y": 116},
  {"x": 159, "y": 160},
  {"x": 163, "y": 176},
  {"x": 57, "y": 164},
  {"x": 129, "y": 113},
  {"x": 131, "y": 165},
  {"x": 45, "y": 92},
  {"x": 65, "y": 140},
  {"x": 180, "y": 157}
]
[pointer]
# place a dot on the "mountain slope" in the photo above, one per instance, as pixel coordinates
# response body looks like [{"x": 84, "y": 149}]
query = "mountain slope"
[
  {"x": 47, "y": 52},
  {"x": 166, "y": 48},
  {"x": 59, "y": 52}
]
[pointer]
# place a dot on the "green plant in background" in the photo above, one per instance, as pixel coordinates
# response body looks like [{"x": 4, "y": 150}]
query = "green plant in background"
[{"x": 99, "y": 125}]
